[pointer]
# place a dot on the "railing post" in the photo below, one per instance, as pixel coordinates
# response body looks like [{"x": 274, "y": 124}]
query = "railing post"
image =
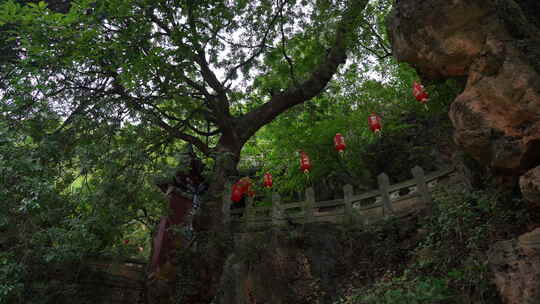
[
  {"x": 347, "y": 199},
  {"x": 308, "y": 205},
  {"x": 226, "y": 208},
  {"x": 422, "y": 187},
  {"x": 277, "y": 214},
  {"x": 384, "y": 185}
]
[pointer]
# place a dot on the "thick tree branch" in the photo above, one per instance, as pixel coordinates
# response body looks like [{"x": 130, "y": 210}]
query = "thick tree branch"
[
  {"x": 218, "y": 102},
  {"x": 200, "y": 56},
  {"x": 208, "y": 75},
  {"x": 212, "y": 81},
  {"x": 174, "y": 132},
  {"x": 202, "y": 133},
  {"x": 314, "y": 85}
]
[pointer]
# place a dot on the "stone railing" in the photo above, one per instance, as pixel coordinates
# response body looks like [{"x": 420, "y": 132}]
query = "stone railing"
[{"x": 370, "y": 206}]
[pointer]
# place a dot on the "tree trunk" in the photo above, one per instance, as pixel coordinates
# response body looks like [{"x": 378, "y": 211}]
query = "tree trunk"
[
  {"x": 226, "y": 158},
  {"x": 214, "y": 240}
]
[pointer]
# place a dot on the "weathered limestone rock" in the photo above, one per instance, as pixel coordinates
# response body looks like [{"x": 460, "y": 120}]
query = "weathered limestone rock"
[
  {"x": 530, "y": 185},
  {"x": 273, "y": 268},
  {"x": 310, "y": 264},
  {"x": 495, "y": 45},
  {"x": 516, "y": 265}
]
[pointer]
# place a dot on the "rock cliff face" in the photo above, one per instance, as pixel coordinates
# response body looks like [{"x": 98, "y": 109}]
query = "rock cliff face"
[
  {"x": 495, "y": 46},
  {"x": 516, "y": 265},
  {"x": 309, "y": 264},
  {"x": 280, "y": 268}
]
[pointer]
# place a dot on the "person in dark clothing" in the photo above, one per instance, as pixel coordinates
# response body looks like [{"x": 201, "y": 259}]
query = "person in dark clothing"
[
  {"x": 183, "y": 191},
  {"x": 191, "y": 177}
]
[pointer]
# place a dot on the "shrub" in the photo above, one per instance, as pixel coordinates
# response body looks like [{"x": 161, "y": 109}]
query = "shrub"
[{"x": 449, "y": 264}]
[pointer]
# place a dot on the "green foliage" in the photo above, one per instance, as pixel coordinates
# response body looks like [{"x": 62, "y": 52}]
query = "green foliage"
[
  {"x": 37, "y": 226},
  {"x": 472, "y": 221},
  {"x": 403, "y": 289},
  {"x": 11, "y": 276},
  {"x": 449, "y": 264},
  {"x": 410, "y": 133},
  {"x": 93, "y": 99},
  {"x": 463, "y": 228},
  {"x": 61, "y": 208}
]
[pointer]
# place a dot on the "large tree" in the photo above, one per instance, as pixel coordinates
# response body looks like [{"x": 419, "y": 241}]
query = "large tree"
[
  {"x": 192, "y": 70},
  {"x": 114, "y": 82}
]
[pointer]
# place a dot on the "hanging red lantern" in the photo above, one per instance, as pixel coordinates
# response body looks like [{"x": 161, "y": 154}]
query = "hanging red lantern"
[
  {"x": 245, "y": 184},
  {"x": 305, "y": 164},
  {"x": 374, "y": 122},
  {"x": 339, "y": 143},
  {"x": 267, "y": 180},
  {"x": 420, "y": 93},
  {"x": 236, "y": 194}
]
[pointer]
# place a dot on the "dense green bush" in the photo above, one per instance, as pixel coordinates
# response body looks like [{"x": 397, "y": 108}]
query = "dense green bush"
[{"x": 50, "y": 226}]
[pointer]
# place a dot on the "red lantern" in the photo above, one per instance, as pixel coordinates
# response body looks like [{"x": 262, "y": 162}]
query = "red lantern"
[
  {"x": 339, "y": 142},
  {"x": 237, "y": 193},
  {"x": 267, "y": 180},
  {"x": 305, "y": 164},
  {"x": 374, "y": 122},
  {"x": 245, "y": 185},
  {"x": 420, "y": 93},
  {"x": 126, "y": 242}
]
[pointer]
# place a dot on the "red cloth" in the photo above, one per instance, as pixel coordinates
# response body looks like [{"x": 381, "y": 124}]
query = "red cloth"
[
  {"x": 163, "y": 243},
  {"x": 180, "y": 207},
  {"x": 160, "y": 245}
]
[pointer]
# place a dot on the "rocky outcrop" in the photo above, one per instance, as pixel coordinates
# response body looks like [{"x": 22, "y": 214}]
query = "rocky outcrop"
[
  {"x": 495, "y": 46},
  {"x": 516, "y": 265},
  {"x": 530, "y": 185},
  {"x": 313, "y": 263},
  {"x": 283, "y": 267}
]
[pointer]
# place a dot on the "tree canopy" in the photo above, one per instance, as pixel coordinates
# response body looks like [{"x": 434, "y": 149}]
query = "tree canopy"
[
  {"x": 191, "y": 69},
  {"x": 145, "y": 76}
]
